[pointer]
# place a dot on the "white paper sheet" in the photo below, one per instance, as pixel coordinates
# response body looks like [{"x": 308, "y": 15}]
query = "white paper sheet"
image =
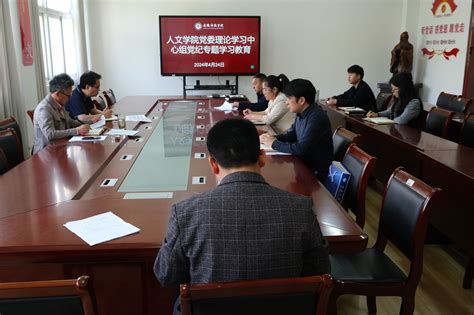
[
  {"x": 87, "y": 138},
  {"x": 141, "y": 118},
  {"x": 99, "y": 123},
  {"x": 101, "y": 228},
  {"x": 226, "y": 106},
  {"x": 122, "y": 132}
]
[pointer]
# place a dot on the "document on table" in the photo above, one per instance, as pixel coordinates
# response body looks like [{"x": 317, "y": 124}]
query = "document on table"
[
  {"x": 141, "y": 118},
  {"x": 112, "y": 118},
  {"x": 122, "y": 132},
  {"x": 271, "y": 151},
  {"x": 101, "y": 228},
  {"x": 87, "y": 138},
  {"x": 380, "y": 120},
  {"x": 99, "y": 123},
  {"x": 226, "y": 106}
]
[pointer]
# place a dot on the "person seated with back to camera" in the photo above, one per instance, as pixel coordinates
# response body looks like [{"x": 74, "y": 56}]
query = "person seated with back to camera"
[
  {"x": 310, "y": 136},
  {"x": 359, "y": 95},
  {"x": 243, "y": 229},
  {"x": 261, "y": 103},
  {"x": 406, "y": 104},
  {"x": 277, "y": 115}
]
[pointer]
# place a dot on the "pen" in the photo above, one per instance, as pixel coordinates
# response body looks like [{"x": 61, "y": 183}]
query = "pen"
[{"x": 90, "y": 138}]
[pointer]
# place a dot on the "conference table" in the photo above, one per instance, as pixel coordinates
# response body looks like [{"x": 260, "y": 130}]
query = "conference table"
[
  {"x": 437, "y": 161},
  {"x": 164, "y": 163}
]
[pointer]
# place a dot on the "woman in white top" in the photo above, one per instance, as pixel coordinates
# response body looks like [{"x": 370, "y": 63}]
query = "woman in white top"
[{"x": 277, "y": 114}]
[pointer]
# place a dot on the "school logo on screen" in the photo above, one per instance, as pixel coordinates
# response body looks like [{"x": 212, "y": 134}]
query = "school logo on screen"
[
  {"x": 198, "y": 26},
  {"x": 443, "y": 8}
]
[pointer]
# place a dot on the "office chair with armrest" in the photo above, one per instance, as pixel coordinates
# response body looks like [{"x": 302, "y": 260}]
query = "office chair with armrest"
[
  {"x": 31, "y": 114},
  {"x": 342, "y": 139},
  {"x": 302, "y": 295},
  {"x": 11, "y": 146},
  {"x": 406, "y": 206},
  {"x": 4, "y": 167},
  {"x": 112, "y": 96},
  {"x": 383, "y": 99},
  {"x": 11, "y": 122},
  {"x": 466, "y": 136},
  {"x": 108, "y": 98},
  {"x": 438, "y": 122},
  {"x": 51, "y": 297},
  {"x": 444, "y": 99},
  {"x": 360, "y": 165},
  {"x": 99, "y": 102}
]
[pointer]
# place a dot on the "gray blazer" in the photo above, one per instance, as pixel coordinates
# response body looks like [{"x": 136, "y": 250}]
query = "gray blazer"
[
  {"x": 242, "y": 229},
  {"x": 50, "y": 123}
]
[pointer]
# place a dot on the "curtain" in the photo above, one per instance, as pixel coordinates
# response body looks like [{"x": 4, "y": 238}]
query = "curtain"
[
  {"x": 38, "y": 52},
  {"x": 79, "y": 18}
]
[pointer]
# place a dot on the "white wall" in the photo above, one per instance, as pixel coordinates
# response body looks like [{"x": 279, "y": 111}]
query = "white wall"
[{"x": 316, "y": 40}]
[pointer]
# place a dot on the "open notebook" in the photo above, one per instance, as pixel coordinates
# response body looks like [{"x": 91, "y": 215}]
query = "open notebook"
[
  {"x": 96, "y": 132},
  {"x": 380, "y": 120}
]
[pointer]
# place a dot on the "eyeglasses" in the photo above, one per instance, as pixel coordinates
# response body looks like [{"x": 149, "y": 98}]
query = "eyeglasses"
[{"x": 68, "y": 95}]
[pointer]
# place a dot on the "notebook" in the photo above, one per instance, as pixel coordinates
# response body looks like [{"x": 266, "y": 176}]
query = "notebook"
[
  {"x": 353, "y": 111},
  {"x": 96, "y": 132},
  {"x": 380, "y": 120}
]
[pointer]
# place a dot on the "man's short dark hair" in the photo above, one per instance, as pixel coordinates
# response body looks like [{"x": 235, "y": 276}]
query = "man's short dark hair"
[
  {"x": 89, "y": 78},
  {"x": 259, "y": 76},
  {"x": 301, "y": 88},
  {"x": 60, "y": 82},
  {"x": 357, "y": 70},
  {"x": 234, "y": 143}
]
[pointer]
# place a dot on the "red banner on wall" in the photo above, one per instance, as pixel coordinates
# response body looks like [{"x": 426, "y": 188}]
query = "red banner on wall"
[{"x": 25, "y": 31}]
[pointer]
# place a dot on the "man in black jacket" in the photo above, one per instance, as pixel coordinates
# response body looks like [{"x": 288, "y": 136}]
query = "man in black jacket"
[
  {"x": 262, "y": 102},
  {"x": 359, "y": 95}
]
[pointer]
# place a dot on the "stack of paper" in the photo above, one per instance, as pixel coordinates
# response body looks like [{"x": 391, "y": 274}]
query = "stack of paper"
[
  {"x": 122, "y": 132},
  {"x": 99, "y": 123},
  {"x": 101, "y": 228},
  {"x": 226, "y": 106},
  {"x": 380, "y": 120},
  {"x": 141, "y": 118}
]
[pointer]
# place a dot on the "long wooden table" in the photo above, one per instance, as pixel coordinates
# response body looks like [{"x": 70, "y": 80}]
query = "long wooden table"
[
  {"x": 62, "y": 183},
  {"x": 437, "y": 161}
]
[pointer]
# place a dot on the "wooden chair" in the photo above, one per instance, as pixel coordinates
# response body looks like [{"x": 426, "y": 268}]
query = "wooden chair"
[
  {"x": 11, "y": 122},
  {"x": 466, "y": 136},
  {"x": 341, "y": 140},
  {"x": 4, "y": 167},
  {"x": 302, "y": 295},
  {"x": 53, "y": 297},
  {"x": 11, "y": 146},
  {"x": 360, "y": 165},
  {"x": 383, "y": 99},
  {"x": 406, "y": 206},
  {"x": 438, "y": 122},
  {"x": 31, "y": 114}
]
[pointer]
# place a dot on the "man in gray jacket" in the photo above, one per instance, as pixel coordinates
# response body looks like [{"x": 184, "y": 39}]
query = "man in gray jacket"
[
  {"x": 51, "y": 121},
  {"x": 244, "y": 228}
]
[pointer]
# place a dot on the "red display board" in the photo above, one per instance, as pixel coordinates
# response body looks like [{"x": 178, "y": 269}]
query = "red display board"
[{"x": 210, "y": 45}]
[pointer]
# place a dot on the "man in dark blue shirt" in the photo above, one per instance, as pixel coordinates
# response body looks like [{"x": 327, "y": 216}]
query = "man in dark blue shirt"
[
  {"x": 310, "y": 135},
  {"x": 80, "y": 105},
  {"x": 262, "y": 103}
]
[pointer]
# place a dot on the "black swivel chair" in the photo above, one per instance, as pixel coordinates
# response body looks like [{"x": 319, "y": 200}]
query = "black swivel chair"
[
  {"x": 466, "y": 136},
  {"x": 11, "y": 146}
]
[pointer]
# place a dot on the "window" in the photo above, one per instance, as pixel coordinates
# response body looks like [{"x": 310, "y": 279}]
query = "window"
[{"x": 57, "y": 37}]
